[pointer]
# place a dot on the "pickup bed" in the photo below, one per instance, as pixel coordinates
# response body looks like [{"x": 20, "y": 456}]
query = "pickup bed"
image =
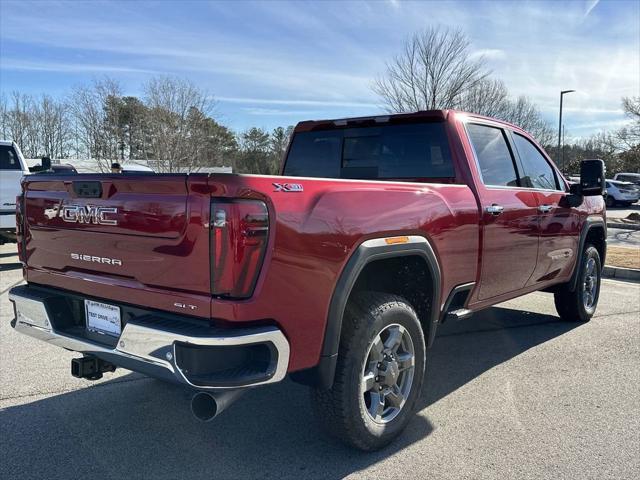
[{"x": 336, "y": 272}]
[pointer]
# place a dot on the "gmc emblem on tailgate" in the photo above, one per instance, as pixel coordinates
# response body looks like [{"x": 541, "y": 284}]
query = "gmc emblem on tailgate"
[{"x": 83, "y": 214}]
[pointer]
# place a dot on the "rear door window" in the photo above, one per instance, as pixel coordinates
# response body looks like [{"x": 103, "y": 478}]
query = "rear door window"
[
  {"x": 393, "y": 152},
  {"x": 538, "y": 172},
  {"x": 495, "y": 161},
  {"x": 8, "y": 158}
]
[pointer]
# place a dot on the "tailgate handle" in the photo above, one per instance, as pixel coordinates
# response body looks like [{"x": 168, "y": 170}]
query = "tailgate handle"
[{"x": 88, "y": 189}]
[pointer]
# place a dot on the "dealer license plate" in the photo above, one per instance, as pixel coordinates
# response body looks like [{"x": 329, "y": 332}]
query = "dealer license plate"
[{"x": 103, "y": 318}]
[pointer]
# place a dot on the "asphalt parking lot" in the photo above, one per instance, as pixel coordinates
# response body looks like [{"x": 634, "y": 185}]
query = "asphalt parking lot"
[
  {"x": 623, "y": 238},
  {"x": 511, "y": 393},
  {"x": 622, "y": 212}
]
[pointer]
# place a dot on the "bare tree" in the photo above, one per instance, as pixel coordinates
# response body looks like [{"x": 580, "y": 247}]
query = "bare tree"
[
  {"x": 628, "y": 137},
  {"x": 4, "y": 110},
  {"x": 20, "y": 123},
  {"x": 631, "y": 107},
  {"x": 88, "y": 106},
  {"x": 437, "y": 71},
  {"x": 176, "y": 109},
  {"x": 53, "y": 127},
  {"x": 488, "y": 97},
  {"x": 434, "y": 71},
  {"x": 524, "y": 113}
]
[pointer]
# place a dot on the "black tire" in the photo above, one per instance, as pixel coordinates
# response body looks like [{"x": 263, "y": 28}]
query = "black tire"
[
  {"x": 610, "y": 201},
  {"x": 573, "y": 306},
  {"x": 342, "y": 410}
]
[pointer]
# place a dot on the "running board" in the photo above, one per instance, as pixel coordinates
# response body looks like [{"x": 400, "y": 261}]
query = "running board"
[{"x": 460, "y": 314}]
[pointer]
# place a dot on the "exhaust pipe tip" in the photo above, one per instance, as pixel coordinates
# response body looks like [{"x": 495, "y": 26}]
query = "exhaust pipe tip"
[{"x": 204, "y": 406}]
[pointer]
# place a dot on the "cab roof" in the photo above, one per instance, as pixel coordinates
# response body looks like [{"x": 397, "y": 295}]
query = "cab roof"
[{"x": 422, "y": 115}]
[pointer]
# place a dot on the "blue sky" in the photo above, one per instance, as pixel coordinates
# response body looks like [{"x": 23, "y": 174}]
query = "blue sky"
[{"x": 275, "y": 63}]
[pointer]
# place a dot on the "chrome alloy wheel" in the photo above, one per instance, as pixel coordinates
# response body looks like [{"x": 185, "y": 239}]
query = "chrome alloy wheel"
[
  {"x": 387, "y": 373},
  {"x": 590, "y": 284}
]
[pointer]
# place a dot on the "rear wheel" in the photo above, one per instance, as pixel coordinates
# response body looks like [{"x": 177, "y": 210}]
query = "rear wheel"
[
  {"x": 610, "y": 201},
  {"x": 379, "y": 375},
  {"x": 580, "y": 305}
]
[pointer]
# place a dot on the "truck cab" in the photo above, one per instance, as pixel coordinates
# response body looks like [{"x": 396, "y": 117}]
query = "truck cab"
[{"x": 12, "y": 169}]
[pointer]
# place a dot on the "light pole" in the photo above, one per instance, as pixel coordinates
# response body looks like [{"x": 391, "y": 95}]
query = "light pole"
[{"x": 560, "y": 156}]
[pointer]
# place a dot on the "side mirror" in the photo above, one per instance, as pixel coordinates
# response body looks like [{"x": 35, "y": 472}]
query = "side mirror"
[
  {"x": 575, "y": 198},
  {"x": 592, "y": 178},
  {"x": 46, "y": 163}
]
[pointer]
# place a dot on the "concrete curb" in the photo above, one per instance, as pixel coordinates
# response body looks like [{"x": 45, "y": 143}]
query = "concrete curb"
[
  {"x": 621, "y": 273},
  {"x": 625, "y": 226}
]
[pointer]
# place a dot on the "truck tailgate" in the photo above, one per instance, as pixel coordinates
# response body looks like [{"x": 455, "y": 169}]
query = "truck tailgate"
[{"x": 137, "y": 233}]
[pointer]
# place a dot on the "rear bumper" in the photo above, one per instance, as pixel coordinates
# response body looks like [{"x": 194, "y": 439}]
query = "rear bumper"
[
  {"x": 8, "y": 219},
  {"x": 162, "y": 346}
]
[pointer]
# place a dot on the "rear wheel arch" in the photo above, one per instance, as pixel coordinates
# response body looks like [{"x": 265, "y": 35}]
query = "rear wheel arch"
[{"x": 374, "y": 265}]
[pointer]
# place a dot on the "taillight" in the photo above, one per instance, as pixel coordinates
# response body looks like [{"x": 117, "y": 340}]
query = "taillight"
[
  {"x": 19, "y": 227},
  {"x": 239, "y": 235}
]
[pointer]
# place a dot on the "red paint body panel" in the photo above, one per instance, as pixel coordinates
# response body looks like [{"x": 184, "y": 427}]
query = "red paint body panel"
[
  {"x": 317, "y": 230},
  {"x": 163, "y": 240}
]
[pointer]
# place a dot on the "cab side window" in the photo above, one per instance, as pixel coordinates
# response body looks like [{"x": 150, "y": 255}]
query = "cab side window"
[
  {"x": 495, "y": 161},
  {"x": 8, "y": 158},
  {"x": 538, "y": 173}
]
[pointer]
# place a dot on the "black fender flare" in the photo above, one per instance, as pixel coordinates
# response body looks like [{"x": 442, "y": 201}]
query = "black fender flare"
[
  {"x": 589, "y": 224},
  {"x": 368, "y": 251}
]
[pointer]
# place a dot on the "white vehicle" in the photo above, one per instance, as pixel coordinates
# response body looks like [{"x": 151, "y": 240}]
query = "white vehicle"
[
  {"x": 628, "y": 177},
  {"x": 136, "y": 169},
  {"x": 12, "y": 168},
  {"x": 621, "y": 193}
]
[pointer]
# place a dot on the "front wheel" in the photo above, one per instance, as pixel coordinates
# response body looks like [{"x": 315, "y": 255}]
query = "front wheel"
[
  {"x": 610, "y": 201},
  {"x": 379, "y": 375},
  {"x": 580, "y": 305}
]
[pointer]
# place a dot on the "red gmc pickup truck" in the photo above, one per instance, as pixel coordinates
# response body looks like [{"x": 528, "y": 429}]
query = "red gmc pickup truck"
[{"x": 337, "y": 272}]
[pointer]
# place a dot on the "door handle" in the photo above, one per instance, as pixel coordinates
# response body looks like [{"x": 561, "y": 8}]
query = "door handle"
[
  {"x": 545, "y": 208},
  {"x": 494, "y": 209}
]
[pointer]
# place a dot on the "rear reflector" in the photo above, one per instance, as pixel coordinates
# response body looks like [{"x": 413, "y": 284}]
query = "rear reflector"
[
  {"x": 396, "y": 240},
  {"x": 239, "y": 235}
]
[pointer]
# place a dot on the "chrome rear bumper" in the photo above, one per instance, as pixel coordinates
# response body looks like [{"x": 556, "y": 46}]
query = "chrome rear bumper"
[{"x": 150, "y": 345}]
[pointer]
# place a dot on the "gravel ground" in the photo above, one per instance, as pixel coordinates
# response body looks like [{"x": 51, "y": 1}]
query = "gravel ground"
[{"x": 511, "y": 393}]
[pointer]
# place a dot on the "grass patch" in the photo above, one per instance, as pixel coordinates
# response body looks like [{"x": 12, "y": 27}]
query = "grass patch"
[{"x": 623, "y": 257}]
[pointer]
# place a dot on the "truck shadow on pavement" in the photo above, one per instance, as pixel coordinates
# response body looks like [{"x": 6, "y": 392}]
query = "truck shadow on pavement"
[
  {"x": 134, "y": 427},
  {"x": 10, "y": 266}
]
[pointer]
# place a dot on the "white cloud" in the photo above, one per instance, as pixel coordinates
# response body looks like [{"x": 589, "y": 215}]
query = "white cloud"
[
  {"x": 277, "y": 111},
  {"x": 65, "y": 67},
  {"x": 293, "y": 102},
  {"x": 304, "y": 57},
  {"x": 601, "y": 125},
  {"x": 395, "y": 3},
  {"x": 590, "y": 4},
  {"x": 489, "y": 54}
]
